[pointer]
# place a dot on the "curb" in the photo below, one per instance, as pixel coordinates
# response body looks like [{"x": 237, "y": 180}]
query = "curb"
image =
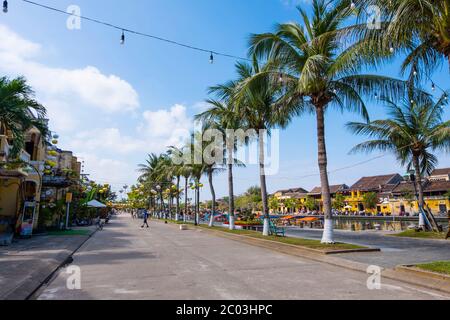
[
  {"x": 35, "y": 281},
  {"x": 317, "y": 251},
  {"x": 427, "y": 279}
]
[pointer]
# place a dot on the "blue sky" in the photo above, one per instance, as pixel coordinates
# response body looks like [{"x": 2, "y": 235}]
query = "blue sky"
[{"x": 113, "y": 104}]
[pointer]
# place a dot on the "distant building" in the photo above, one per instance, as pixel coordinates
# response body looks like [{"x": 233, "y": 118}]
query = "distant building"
[
  {"x": 382, "y": 185},
  {"x": 435, "y": 188},
  {"x": 298, "y": 195},
  {"x": 316, "y": 193}
]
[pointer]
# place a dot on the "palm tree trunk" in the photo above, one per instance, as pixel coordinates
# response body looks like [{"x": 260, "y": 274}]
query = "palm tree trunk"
[
  {"x": 162, "y": 204},
  {"x": 186, "y": 207},
  {"x": 328, "y": 236},
  {"x": 262, "y": 175},
  {"x": 231, "y": 196},
  {"x": 419, "y": 181},
  {"x": 419, "y": 188},
  {"x": 213, "y": 194},
  {"x": 197, "y": 209},
  {"x": 177, "y": 214}
]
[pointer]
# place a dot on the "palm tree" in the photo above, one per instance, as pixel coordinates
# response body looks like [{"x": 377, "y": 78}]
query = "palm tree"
[
  {"x": 222, "y": 116},
  {"x": 255, "y": 97},
  {"x": 317, "y": 74},
  {"x": 154, "y": 176},
  {"x": 197, "y": 167},
  {"x": 19, "y": 111},
  {"x": 178, "y": 171},
  {"x": 412, "y": 132},
  {"x": 421, "y": 28}
]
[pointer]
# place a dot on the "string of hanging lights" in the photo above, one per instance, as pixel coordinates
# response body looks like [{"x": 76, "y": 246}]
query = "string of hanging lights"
[
  {"x": 211, "y": 52},
  {"x": 130, "y": 31}
]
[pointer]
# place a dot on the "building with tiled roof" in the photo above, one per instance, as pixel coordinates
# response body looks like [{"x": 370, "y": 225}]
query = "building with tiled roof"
[
  {"x": 440, "y": 174},
  {"x": 340, "y": 188}
]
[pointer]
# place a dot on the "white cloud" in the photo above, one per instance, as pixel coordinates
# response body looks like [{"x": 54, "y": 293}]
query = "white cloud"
[
  {"x": 109, "y": 140},
  {"x": 106, "y": 170},
  {"x": 86, "y": 107},
  {"x": 15, "y": 45},
  {"x": 86, "y": 87},
  {"x": 164, "y": 128}
]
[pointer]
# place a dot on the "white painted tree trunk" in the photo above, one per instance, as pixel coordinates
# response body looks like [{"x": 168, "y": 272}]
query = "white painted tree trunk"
[
  {"x": 211, "y": 221},
  {"x": 422, "y": 223},
  {"x": 232, "y": 222},
  {"x": 266, "y": 230},
  {"x": 328, "y": 232}
]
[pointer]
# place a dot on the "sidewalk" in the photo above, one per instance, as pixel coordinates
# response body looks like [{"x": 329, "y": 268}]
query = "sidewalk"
[{"x": 26, "y": 264}]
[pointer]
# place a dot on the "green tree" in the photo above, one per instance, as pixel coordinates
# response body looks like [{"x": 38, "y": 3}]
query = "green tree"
[
  {"x": 412, "y": 133},
  {"x": 370, "y": 200},
  {"x": 421, "y": 28},
  {"x": 291, "y": 204},
  {"x": 223, "y": 115},
  {"x": 311, "y": 204},
  {"x": 447, "y": 195},
  {"x": 255, "y": 99},
  {"x": 339, "y": 202},
  {"x": 317, "y": 73},
  {"x": 19, "y": 111},
  {"x": 274, "y": 204}
]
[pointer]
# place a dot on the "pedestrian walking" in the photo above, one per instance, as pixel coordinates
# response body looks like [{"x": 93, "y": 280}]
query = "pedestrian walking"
[{"x": 145, "y": 215}]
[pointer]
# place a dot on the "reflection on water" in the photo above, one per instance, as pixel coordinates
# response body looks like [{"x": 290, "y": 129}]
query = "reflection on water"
[{"x": 362, "y": 225}]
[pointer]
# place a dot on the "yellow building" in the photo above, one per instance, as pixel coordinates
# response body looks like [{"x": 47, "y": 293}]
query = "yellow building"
[
  {"x": 381, "y": 185},
  {"x": 299, "y": 196},
  {"x": 435, "y": 189},
  {"x": 316, "y": 193},
  {"x": 20, "y": 183}
]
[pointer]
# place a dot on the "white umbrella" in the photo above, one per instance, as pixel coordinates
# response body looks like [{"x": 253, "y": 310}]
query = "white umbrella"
[{"x": 95, "y": 204}]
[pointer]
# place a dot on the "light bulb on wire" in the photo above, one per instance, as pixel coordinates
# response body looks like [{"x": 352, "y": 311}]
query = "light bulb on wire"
[
  {"x": 352, "y": 6},
  {"x": 122, "y": 38},
  {"x": 5, "y": 6},
  {"x": 211, "y": 58},
  {"x": 433, "y": 86}
]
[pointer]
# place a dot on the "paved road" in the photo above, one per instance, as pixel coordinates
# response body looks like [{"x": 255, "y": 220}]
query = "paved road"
[
  {"x": 395, "y": 251},
  {"x": 125, "y": 262}
]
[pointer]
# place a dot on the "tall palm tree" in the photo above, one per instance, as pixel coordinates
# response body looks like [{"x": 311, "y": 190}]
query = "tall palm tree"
[
  {"x": 419, "y": 28},
  {"x": 179, "y": 170},
  {"x": 255, "y": 97},
  {"x": 413, "y": 131},
  {"x": 197, "y": 167},
  {"x": 19, "y": 111},
  {"x": 222, "y": 115},
  {"x": 317, "y": 73},
  {"x": 154, "y": 175}
]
